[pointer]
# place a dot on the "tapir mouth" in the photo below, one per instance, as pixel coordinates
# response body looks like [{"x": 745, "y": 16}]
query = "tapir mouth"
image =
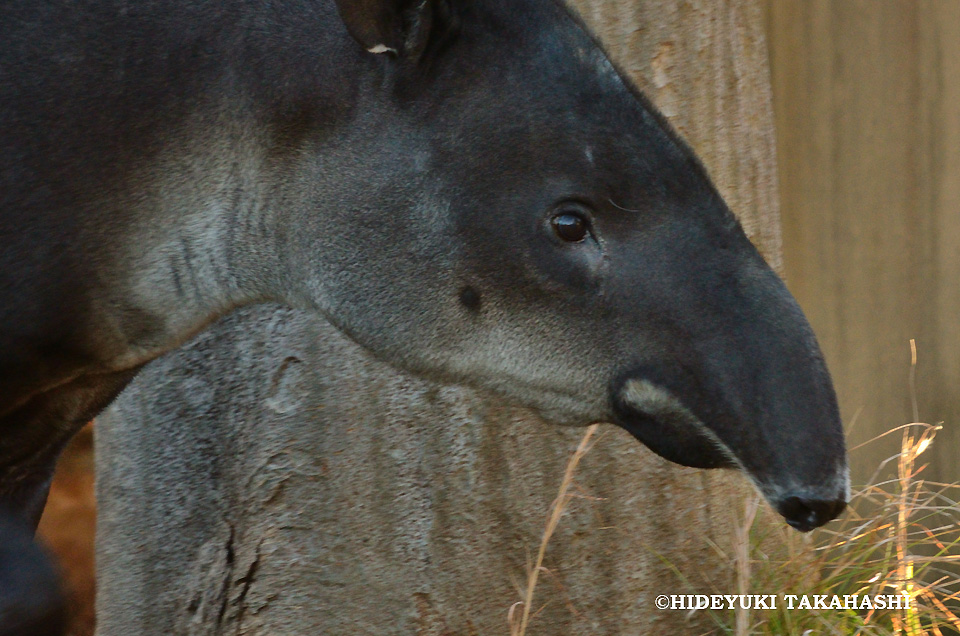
[
  {"x": 684, "y": 431},
  {"x": 656, "y": 417}
]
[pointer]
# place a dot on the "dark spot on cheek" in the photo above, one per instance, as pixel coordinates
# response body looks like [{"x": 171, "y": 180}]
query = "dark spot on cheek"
[{"x": 470, "y": 298}]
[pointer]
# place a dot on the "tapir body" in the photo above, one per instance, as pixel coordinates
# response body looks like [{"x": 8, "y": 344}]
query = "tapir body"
[{"x": 467, "y": 188}]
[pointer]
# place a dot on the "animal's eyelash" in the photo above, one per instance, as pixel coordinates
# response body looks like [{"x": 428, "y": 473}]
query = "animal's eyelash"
[{"x": 620, "y": 207}]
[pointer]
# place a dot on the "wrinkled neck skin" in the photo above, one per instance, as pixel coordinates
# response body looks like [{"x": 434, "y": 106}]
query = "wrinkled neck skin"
[
  {"x": 186, "y": 206},
  {"x": 147, "y": 182},
  {"x": 165, "y": 186},
  {"x": 207, "y": 245}
]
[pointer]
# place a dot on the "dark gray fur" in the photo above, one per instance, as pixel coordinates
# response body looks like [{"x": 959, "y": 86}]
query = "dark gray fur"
[{"x": 164, "y": 162}]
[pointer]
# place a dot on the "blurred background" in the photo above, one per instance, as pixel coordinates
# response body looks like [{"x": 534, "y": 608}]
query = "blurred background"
[
  {"x": 867, "y": 105},
  {"x": 867, "y": 101}
]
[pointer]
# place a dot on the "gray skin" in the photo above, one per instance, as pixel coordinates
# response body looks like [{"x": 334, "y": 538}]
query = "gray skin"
[{"x": 407, "y": 171}]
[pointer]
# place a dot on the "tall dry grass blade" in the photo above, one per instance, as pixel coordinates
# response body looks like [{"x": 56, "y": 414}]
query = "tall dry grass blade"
[
  {"x": 913, "y": 380},
  {"x": 556, "y": 511},
  {"x": 742, "y": 552}
]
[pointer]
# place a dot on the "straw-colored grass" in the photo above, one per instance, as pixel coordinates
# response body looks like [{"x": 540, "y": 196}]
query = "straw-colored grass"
[
  {"x": 900, "y": 535},
  {"x": 519, "y": 615}
]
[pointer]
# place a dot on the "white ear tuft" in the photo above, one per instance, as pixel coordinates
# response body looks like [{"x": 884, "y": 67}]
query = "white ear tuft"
[{"x": 382, "y": 48}]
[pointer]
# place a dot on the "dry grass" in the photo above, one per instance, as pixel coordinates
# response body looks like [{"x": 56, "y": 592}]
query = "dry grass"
[
  {"x": 901, "y": 535},
  {"x": 519, "y": 615}
]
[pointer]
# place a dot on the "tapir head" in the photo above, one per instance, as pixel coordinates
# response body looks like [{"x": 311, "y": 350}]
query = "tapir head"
[{"x": 515, "y": 216}]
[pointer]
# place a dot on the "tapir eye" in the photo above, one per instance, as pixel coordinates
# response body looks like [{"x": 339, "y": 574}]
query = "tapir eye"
[{"x": 570, "y": 226}]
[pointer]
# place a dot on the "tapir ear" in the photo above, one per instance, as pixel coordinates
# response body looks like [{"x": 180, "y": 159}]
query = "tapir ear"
[{"x": 386, "y": 26}]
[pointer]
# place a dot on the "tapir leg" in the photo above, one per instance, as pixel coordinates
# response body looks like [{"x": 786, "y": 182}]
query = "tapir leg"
[
  {"x": 31, "y": 599},
  {"x": 31, "y": 439},
  {"x": 33, "y": 436}
]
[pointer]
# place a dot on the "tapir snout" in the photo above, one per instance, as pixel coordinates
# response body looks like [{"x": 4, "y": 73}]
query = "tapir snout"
[{"x": 750, "y": 391}]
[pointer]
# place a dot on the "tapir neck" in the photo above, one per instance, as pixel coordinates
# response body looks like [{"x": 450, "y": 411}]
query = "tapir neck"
[
  {"x": 205, "y": 243},
  {"x": 163, "y": 144}
]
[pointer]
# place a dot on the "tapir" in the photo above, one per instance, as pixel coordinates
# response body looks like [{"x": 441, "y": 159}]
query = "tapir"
[
  {"x": 31, "y": 599},
  {"x": 469, "y": 189}
]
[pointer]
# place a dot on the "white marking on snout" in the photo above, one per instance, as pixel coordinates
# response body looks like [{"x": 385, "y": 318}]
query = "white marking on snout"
[
  {"x": 659, "y": 403},
  {"x": 845, "y": 481},
  {"x": 588, "y": 153},
  {"x": 381, "y": 48},
  {"x": 837, "y": 487}
]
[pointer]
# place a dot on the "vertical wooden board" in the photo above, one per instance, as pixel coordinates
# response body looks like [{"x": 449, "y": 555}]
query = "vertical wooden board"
[
  {"x": 866, "y": 147},
  {"x": 940, "y": 77}
]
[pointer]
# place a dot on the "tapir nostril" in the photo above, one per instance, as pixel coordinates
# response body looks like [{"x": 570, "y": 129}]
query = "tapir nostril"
[{"x": 807, "y": 514}]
